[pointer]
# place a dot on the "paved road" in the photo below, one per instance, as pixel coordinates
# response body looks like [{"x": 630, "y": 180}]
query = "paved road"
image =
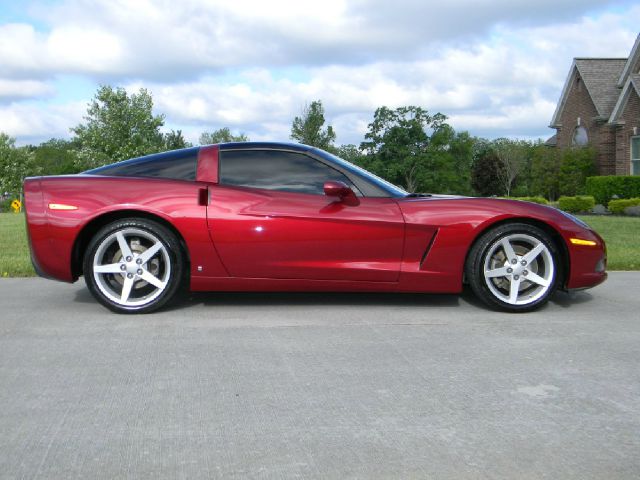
[{"x": 319, "y": 386}]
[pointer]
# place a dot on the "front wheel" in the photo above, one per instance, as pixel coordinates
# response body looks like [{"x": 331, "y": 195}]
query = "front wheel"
[
  {"x": 133, "y": 265},
  {"x": 514, "y": 267}
]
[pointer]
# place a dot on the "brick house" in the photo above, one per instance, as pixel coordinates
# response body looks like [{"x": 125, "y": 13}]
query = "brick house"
[{"x": 600, "y": 106}]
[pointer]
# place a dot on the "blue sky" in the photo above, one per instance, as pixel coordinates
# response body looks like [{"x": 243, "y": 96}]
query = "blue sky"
[{"x": 495, "y": 68}]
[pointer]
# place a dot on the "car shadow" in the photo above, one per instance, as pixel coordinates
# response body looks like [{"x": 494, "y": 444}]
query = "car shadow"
[
  {"x": 566, "y": 299},
  {"x": 312, "y": 299}
]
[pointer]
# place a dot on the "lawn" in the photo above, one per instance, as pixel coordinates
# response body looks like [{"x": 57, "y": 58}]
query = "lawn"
[
  {"x": 14, "y": 249},
  {"x": 622, "y": 235}
]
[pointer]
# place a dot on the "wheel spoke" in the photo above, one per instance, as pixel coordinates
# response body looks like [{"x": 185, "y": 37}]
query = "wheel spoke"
[
  {"x": 153, "y": 280},
  {"x": 535, "y": 278},
  {"x": 496, "y": 272},
  {"x": 124, "y": 246},
  {"x": 518, "y": 269},
  {"x": 132, "y": 267},
  {"x": 530, "y": 257},
  {"x": 126, "y": 289},
  {"x": 508, "y": 249},
  {"x": 108, "y": 268},
  {"x": 150, "y": 252},
  {"x": 513, "y": 291}
]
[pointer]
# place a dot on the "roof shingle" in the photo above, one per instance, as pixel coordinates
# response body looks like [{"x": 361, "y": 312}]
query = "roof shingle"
[{"x": 600, "y": 76}]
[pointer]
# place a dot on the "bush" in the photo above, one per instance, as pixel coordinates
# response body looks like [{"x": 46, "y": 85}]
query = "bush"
[
  {"x": 540, "y": 200},
  {"x": 577, "y": 164},
  {"x": 5, "y": 205},
  {"x": 545, "y": 172},
  {"x": 576, "y": 204},
  {"x": 618, "y": 206},
  {"x": 604, "y": 188}
]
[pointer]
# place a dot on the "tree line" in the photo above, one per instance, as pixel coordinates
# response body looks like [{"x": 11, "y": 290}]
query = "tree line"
[{"x": 408, "y": 146}]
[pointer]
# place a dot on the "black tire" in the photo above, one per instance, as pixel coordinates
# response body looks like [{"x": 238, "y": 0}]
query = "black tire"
[
  {"x": 134, "y": 281},
  {"x": 524, "y": 285}
]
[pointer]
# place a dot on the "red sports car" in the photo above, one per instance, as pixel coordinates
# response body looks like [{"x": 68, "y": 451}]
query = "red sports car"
[{"x": 284, "y": 217}]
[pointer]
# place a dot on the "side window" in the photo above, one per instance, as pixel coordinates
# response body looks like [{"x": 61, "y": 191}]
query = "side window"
[
  {"x": 635, "y": 155},
  {"x": 277, "y": 170},
  {"x": 166, "y": 165}
]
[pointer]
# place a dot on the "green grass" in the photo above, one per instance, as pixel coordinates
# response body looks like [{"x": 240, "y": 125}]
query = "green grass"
[
  {"x": 14, "y": 249},
  {"x": 622, "y": 235}
]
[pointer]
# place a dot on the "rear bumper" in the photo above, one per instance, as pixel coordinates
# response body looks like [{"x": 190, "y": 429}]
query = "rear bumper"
[{"x": 48, "y": 262}]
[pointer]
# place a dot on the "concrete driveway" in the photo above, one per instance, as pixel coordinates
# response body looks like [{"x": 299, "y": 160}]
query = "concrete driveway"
[{"x": 319, "y": 386}]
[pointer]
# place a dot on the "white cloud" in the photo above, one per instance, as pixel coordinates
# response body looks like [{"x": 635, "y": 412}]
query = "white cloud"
[
  {"x": 160, "y": 39},
  {"x": 13, "y": 89},
  {"x": 494, "y": 67},
  {"x": 75, "y": 49},
  {"x": 31, "y": 122}
]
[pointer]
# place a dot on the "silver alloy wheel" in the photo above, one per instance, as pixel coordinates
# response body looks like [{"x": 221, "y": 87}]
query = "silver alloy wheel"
[
  {"x": 519, "y": 269},
  {"x": 131, "y": 267}
]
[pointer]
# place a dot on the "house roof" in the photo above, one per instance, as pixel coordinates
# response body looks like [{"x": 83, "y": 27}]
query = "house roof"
[
  {"x": 552, "y": 141},
  {"x": 633, "y": 82},
  {"x": 599, "y": 76},
  {"x": 633, "y": 60}
]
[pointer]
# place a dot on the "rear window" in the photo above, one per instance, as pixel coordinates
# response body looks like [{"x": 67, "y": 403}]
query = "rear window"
[{"x": 177, "y": 165}]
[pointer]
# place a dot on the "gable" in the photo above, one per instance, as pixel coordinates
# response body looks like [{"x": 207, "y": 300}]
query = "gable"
[
  {"x": 631, "y": 86},
  {"x": 599, "y": 76},
  {"x": 632, "y": 65}
]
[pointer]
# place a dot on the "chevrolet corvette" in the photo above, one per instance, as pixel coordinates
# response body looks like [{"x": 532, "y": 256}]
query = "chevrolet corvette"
[{"x": 287, "y": 217}]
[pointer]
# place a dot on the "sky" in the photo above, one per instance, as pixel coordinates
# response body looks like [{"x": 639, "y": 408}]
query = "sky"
[{"x": 495, "y": 68}]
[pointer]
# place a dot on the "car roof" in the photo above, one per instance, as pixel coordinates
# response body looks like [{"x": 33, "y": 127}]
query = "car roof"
[{"x": 275, "y": 145}]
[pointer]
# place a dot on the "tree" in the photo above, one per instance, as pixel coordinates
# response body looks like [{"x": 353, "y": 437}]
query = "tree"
[
  {"x": 350, "y": 153},
  {"x": 397, "y": 145},
  {"x": 484, "y": 171},
  {"x": 57, "y": 157},
  {"x": 119, "y": 126},
  {"x": 307, "y": 128},
  {"x": 449, "y": 160},
  {"x": 512, "y": 155},
  {"x": 222, "y": 135},
  {"x": 174, "y": 140},
  {"x": 577, "y": 164},
  {"x": 15, "y": 164},
  {"x": 545, "y": 171}
]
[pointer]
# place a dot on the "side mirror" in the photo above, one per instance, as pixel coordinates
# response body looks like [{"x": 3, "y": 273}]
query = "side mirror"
[{"x": 336, "y": 188}]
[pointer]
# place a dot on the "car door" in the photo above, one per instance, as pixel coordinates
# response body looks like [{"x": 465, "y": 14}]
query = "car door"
[{"x": 269, "y": 218}]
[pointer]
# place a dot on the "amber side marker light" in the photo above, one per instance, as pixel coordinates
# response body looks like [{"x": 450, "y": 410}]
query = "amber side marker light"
[
  {"x": 579, "y": 241},
  {"x": 61, "y": 206}
]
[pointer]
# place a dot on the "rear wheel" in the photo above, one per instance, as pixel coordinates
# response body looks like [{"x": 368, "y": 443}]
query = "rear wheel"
[
  {"x": 133, "y": 265},
  {"x": 514, "y": 267}
]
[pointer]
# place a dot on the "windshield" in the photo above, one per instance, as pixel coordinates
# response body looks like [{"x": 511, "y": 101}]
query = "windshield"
[{"x": 393, "y": 190}]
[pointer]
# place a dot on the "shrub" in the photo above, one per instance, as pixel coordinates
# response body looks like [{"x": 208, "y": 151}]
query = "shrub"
[
  {"x": 576, "y": 204},
  {"x": 577, "y": 164},
  {"x": 5, "y": 205},
  {"x": 540, "y": 200},
  {"x": 545, "y": 172},
  {"x": 604, "y": 188},
  {"x": 618, "y": 206}
]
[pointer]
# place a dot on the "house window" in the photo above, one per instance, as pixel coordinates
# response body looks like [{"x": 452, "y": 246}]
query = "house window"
[
  {"x": 635, "y": 155},
  {"x": 580, "y": 137}
]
